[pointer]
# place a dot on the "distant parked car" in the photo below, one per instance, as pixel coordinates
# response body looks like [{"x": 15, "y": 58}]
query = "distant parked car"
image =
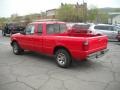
[
  {"x": 12, "y": 28},
  {"x": 110, "y": 30}
]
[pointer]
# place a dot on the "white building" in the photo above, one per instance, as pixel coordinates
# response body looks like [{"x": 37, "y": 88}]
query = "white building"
[
  {"x": 50, "y": 14},
  {"x": 114, "y": 18}
]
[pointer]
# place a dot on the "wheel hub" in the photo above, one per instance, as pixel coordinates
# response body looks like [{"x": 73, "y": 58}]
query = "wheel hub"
[
  {"x": 61, "y": 59},
  {"x": 15, "y": 48}
]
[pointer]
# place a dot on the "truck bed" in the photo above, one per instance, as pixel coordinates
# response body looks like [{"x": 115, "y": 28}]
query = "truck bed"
[{"x": 75, "y": 43}]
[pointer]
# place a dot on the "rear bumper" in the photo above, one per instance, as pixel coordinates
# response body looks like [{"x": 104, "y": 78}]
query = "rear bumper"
[{"x": 97, "y": 54}]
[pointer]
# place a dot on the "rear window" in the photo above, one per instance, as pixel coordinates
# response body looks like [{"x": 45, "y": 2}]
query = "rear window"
[
  {"x": 109, "y": 28},
  {"x": 56, "y": 28},
  {"x": 77, "y": 26}
]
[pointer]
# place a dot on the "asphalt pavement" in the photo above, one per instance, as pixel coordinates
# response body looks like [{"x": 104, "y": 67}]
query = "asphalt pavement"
[{"x": 32, "y": 71}]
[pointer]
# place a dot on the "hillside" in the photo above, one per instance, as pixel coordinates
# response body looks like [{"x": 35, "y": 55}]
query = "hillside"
[{"x": 107, "y": 10}]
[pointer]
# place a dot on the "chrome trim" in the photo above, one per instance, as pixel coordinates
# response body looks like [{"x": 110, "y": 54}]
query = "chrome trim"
[{"x": 97, "y": 54}]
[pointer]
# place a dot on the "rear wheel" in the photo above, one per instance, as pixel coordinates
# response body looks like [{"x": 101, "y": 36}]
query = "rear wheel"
[
  {"x": 63, "y": 58},
  {"x": 16, "y": 49}
]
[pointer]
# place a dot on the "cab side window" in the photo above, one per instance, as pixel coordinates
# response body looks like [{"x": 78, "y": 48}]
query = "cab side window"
[
  {"x": 30, "y": 29},
  {"x": 50, "y": 29},
  {"x": 56, "y": 28}
]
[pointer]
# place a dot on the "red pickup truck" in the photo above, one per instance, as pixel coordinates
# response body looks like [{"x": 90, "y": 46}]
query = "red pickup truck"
[{"x": 52, "y": 38}]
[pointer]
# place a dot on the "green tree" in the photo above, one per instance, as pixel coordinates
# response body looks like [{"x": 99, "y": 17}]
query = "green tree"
[
  {"x": 97, "y": 16},
  {"x": 68, "y": 13},
  {"x": 92, "y": 14},
  {"x": 2, "y": 21},
  {"x": 103, "y": 17}
]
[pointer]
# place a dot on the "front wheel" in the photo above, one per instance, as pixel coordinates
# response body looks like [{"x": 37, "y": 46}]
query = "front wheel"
[
  {"x": 63, "y": 58},
  {"x": 16, "y": 49}
]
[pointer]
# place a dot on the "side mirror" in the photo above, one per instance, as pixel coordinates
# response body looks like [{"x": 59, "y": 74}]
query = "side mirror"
[{"x": 22, "y": 32}]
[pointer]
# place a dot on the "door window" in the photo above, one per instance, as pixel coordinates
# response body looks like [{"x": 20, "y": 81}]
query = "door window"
[{"x": 30, "y": 29}]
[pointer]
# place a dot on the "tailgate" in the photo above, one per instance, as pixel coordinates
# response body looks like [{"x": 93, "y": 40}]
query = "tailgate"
[{"x": 97, "y": 43}]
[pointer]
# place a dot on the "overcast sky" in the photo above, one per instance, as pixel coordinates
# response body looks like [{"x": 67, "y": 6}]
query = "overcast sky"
[{"x": 23, "y": 7}]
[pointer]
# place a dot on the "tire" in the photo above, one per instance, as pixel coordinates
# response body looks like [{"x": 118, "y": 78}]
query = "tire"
[
  {"x": 63, "y": 58},
  {"x": 16, "y": 48}
]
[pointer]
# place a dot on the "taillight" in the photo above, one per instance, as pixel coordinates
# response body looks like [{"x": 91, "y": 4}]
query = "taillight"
[{"x": 85, "y": 45}]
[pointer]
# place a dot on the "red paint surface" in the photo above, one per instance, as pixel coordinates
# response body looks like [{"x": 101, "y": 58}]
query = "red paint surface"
[{"x": 72, "y": 41}]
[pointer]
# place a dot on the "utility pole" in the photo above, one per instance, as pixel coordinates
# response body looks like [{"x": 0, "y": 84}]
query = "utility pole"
[{"x": 83, "y": 10}]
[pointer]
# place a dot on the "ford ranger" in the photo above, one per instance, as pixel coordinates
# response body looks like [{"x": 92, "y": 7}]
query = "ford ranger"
[{"x": 52, "y": 38}]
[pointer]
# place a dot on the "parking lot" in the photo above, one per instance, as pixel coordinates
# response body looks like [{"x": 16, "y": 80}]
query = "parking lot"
[{"x": 31, "y": 71}]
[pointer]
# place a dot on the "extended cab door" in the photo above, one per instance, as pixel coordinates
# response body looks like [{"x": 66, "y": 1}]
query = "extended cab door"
[
  {"x": 26, "y": 41},
  {"x": 38, "y": 38}
]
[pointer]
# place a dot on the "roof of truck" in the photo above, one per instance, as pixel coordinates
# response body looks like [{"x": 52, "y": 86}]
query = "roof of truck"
[{"x": 47, "y": 22}]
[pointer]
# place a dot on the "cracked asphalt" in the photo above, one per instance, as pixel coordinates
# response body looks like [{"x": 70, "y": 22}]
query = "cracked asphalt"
[{"x": 31, "y": 71}]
